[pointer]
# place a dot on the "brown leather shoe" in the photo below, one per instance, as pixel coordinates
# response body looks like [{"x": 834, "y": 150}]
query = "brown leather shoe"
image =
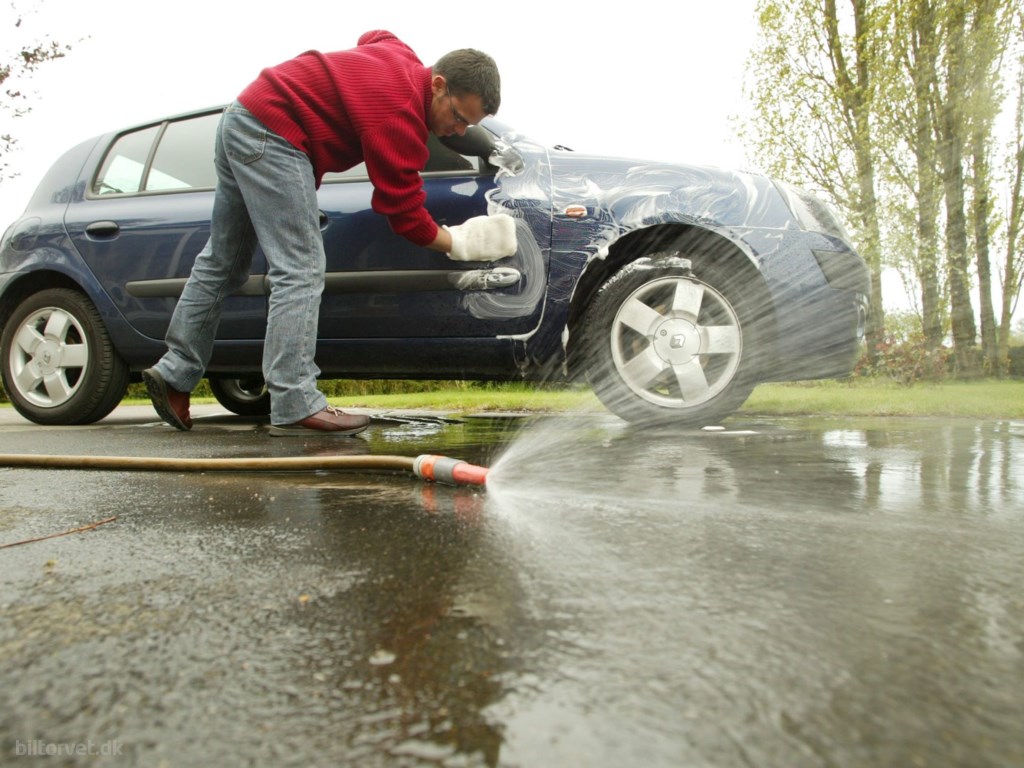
[
  {"x": 171, "y": 404},
  {"x": 329, "y": 421}
]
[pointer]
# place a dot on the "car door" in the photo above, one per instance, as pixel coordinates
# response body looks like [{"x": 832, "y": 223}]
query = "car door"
[
  {"x": 145, "y": 217},
  {"x": 379, "y": 285}
]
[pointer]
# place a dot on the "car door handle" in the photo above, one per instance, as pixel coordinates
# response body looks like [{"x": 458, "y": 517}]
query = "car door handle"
[{"x": 102, "y": 230}]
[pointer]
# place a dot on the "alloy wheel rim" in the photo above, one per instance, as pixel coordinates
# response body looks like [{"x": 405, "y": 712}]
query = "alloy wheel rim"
[
  {"x": 676, "y": 342},
  {"x": 49, "y": 357}
]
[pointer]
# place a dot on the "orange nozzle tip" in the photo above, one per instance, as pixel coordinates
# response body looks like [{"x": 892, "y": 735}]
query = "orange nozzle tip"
[
  {"x": 469, "y": 474},
  {"x": 442, "y": 469}
]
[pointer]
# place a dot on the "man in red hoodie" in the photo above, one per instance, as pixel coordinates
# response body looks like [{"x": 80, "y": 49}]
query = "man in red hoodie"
[{"x": 320, "y": 112}]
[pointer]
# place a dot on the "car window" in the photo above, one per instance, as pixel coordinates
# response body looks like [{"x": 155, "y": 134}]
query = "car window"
[
  {"x": 121, "y": 172},
  {"x": 441, "y": 160},
  {"x": 183, "y": 158}
]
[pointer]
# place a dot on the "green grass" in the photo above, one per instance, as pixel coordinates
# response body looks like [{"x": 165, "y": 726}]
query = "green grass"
[
  {"x": 878, "y": 397},
  {"x": 851, "y": 397},
  {"x": 985, "y": 399},
  {"x": 505, "y": 398},
  {"x": 457, "y": 397}
]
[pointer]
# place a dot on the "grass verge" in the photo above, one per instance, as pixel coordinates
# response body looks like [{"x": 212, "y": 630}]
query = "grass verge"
[
  {"x": 513, "y": 398},
  {"x": 987, "y": 399},
  {"x": 850, "y": 397}
]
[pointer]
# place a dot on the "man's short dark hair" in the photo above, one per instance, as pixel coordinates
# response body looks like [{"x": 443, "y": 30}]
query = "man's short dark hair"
[{"x": 468, "y": 71}]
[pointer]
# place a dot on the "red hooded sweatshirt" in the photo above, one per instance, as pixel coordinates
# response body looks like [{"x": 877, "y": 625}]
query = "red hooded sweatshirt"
[{"x": 367, "y": 104}]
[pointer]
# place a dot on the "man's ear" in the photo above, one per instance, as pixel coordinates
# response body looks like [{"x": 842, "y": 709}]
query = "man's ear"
[{"x": 438, "y": 85}]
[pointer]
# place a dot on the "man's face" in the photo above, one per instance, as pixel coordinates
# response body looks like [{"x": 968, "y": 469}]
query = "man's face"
[{"x": 450, "y": 114}]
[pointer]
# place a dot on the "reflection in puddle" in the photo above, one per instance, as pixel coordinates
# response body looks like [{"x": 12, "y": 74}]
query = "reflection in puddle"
[{"x": 787, "y": 591}]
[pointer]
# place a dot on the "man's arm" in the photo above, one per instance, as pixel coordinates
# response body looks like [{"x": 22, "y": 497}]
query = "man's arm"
[{"x": 390, "y": 156}]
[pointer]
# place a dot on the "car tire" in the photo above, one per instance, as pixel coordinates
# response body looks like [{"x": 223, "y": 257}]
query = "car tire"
[
  {"x": 59, "y": 365},
  {"x": 664, "y": 345},
  {"x": 246, "y": 397}
]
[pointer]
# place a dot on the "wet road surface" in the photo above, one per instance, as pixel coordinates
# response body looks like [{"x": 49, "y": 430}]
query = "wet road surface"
[{"x": 777, "y": 593}]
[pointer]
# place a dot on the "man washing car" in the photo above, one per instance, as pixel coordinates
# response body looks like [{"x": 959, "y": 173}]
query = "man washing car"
[{"x": 317, "y": 113}]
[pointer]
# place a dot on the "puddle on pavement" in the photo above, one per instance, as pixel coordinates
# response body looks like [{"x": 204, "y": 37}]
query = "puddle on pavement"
[{"x": 791, "y": 592}]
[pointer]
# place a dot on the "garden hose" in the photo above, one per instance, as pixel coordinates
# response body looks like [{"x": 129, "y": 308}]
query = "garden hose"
[{"x": 426, "y": 467}]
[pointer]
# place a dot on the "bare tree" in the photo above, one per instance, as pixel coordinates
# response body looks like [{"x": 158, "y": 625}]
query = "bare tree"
[{"x": 16, "y": 68}]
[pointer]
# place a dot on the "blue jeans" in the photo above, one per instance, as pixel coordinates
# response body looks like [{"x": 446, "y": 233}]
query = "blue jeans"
[{"x": 265, "y": 194}]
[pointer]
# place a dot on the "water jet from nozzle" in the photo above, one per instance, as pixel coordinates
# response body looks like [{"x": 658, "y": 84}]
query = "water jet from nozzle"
[{"x": 442, "y": 469}]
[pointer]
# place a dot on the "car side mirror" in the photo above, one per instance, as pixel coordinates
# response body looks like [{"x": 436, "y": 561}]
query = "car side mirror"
[
  {"x": 479, "y": 142},
  {"x": 475, "y": 142}
]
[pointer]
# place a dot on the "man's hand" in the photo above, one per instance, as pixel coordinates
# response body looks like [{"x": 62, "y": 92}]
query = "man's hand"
[{"x": 483, "y": 238}]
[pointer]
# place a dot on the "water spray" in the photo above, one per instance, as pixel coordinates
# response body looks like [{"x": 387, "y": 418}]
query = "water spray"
[{"x": 427, "y": 467}]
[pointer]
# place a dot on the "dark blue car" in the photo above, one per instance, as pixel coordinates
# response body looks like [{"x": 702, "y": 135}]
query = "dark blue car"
[{"x": 672, "y": 289}]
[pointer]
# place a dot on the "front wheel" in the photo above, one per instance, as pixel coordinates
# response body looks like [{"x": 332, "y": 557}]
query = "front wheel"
[
  {"x": 662, "y": 345},
  {"x": 59, "y": 366},
  {"x": 245, "y": 397}
]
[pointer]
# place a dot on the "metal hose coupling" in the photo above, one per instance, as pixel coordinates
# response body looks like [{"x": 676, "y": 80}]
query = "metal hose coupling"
[{"x": 442, "y": 469}]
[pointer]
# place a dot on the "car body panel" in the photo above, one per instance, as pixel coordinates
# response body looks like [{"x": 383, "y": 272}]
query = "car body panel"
[
  {"x": 359, "y": 241},
  {"x": 592, "y": 211}
]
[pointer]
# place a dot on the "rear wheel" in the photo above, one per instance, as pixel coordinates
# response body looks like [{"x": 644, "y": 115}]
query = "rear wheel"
[
  {"x": 664, "y": 345},
  {"x": 246, "y": 396},
  {"x": 58, "y": 363}
]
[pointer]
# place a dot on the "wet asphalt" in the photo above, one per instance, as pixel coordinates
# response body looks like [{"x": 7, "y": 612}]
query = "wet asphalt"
[{"x": 785, "y": 592}]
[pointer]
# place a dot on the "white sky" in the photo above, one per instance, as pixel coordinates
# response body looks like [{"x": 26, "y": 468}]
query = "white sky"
[{"x": 658, "y": 82}]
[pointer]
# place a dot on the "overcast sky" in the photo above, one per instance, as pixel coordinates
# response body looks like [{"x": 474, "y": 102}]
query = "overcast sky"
[{"x": 650, "y": 80}]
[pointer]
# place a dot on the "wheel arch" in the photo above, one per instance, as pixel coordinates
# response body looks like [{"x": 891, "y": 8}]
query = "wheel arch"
[
  {"x": 21, "y": 285},
  {"x": 708, "y": 251},
  {"x": 28, "y": 283}
]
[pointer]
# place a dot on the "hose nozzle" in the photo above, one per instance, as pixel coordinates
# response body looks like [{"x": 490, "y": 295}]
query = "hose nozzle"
[{"x": 441, "y": 469}]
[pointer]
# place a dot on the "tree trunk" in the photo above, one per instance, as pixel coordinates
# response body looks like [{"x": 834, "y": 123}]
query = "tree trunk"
[
  {"x": 1013, "y": 268},
  {"x": 985, "y": 47},
  {"x": 922, "y": 73},
  {"x": 854, "y": 94},
  {"x": 980, "y": 213},
  {"x": 951, "y": 159}
]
